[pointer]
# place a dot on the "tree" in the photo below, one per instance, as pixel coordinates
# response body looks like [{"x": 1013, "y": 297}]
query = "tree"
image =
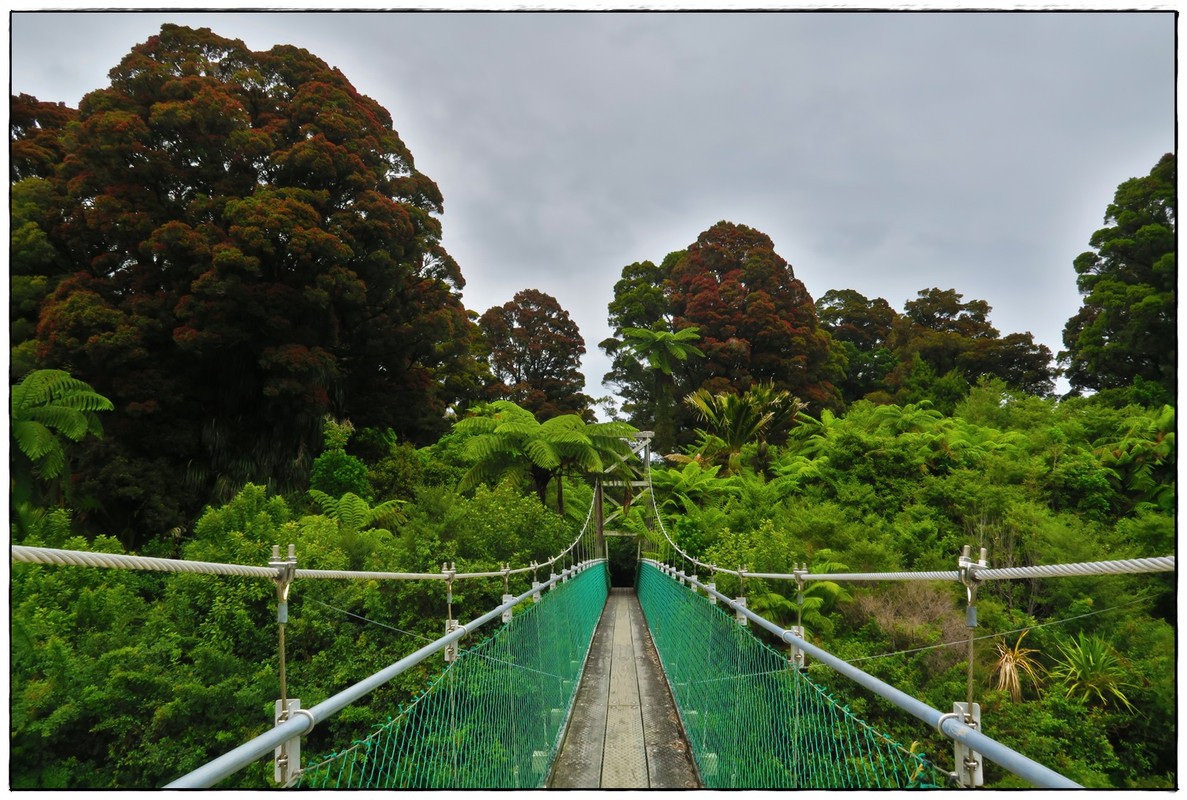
[
  {"x": 1126, "y": 327},
  {"x": 639, "y": 302},
  {"x": 36, "y": 147},
  {"x": 335, "y": 472},
  {"x": 535, "y": 353},
  {"x": 944, "y": 344},
  {"x": 1144, "y": 458},
  {"x": 737, "y": 420},
  {"x": 35, "y": 267},
  {"x": 849, "y": 316},
  {"x": 512, "y": 441},
  {"x": 862, "y": 327},
  {"x": 757, "y": 324},
  {"x": 757, "y": 321},
  {"x": 35, "y": 143},
  {"x": 47, "y": 406},
  {"x": 662, "y": 351},
  {"x": 250, "y": 248}
]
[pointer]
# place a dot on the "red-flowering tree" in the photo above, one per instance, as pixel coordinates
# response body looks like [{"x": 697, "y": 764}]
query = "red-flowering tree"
[
  {"x": 757, "y": 322},
  {"x": 535, "y": 355},
  {"x": 251, "y": 247},
  {"x": 35, "y": 131}
]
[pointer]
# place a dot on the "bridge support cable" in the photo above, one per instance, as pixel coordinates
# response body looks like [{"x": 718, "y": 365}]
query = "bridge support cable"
[
  {"x": 947, "y": 724},
  {"x": 83, "y": 558},
  {"x": 303, "y": 721}
]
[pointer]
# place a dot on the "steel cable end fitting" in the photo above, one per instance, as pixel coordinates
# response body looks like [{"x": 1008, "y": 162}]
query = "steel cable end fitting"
[
  {"x": 967, "y": 571},
  {"x": 286, "y": 570}
]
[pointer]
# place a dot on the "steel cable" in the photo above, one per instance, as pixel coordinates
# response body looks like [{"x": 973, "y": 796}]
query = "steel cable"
[{"x": 49, "y": 555}]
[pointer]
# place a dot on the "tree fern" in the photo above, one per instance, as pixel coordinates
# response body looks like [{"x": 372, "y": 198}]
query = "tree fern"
[
  {"x": 352, "y": 512},
  {"x": 47, "y": 406},
  {"x": 509, "y": 439}
]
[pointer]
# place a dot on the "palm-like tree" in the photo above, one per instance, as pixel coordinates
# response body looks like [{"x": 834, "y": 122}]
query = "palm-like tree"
[
  {"x": 662, "y": 350},
  {"x": 47, "y": 406},
  {"x": 688, "y": 486},
  {"x": 512, "y": 441},
  {"x": 738, "y": 419},
  {"x": 911, "y": 418},
  {"x": 819, "y": 598}
]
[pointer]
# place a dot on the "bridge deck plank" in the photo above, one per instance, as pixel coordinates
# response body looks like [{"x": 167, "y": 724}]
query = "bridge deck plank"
[{"x": 624, "y": 732}]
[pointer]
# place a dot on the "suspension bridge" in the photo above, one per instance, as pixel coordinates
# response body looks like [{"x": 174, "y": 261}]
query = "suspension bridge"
[{"x": 575, "y": 684}]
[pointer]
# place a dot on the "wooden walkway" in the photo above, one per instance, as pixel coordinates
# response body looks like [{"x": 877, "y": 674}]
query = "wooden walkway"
[{"x": 624, "y": 732}]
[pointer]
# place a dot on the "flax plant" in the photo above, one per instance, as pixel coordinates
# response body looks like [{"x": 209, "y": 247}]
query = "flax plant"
[
  {"x": 1090, "y": 668},
  {"x": 1014, "y": 662}
]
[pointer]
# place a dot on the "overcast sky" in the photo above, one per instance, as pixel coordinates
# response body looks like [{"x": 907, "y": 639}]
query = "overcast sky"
[{"x": 882, "y": 152}]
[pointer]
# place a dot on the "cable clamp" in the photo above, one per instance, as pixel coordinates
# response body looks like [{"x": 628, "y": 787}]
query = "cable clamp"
[
  {"x": 305, "y": 713},
  {"x": 945, "y": 717}
]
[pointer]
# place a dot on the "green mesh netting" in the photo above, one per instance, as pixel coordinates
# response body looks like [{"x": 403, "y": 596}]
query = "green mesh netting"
[
  {"x": 753, "y": 720},
  {"x": 494, "y": 717}
]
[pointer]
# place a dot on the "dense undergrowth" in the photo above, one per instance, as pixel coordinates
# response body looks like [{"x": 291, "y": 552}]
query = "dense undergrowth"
[{"x": 124, "y": 679}]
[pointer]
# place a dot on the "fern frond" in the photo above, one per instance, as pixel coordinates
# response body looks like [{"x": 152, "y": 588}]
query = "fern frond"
[
  {"x": 34, "y": 439},
  {"x": 518, "y": 427},
  {"x": 543, "y": 454},
  {"x": 388, "y": 510},
  {"x": 69, "y": 423},
  {"x": 565, "y": 422},
  {"x": 486, "y": 472},
  {"x": 87, "y": 400},
  {"x": 476, "y": 425},
  {"x": 489, "y": 446},
  {"x": 52, "y": 464},
  {"x": 327, "y": 504},
  {"x": 353, "y": 511}
]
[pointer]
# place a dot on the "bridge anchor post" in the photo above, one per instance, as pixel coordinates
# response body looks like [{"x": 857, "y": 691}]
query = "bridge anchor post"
[
  {"x": 740, "y": 600},
  {"x": 968, "y": 762},
  {"x": 287, "y": 757}
]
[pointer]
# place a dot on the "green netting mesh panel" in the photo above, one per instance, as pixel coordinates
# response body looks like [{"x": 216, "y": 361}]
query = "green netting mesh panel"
[
  {"x": 753, "y": 720},
  {"x": 494, "y": 718}
]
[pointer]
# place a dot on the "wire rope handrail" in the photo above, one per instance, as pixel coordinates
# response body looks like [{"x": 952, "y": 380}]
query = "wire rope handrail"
[
  {"x": 1118, "y": 567},
  {"x": 86, "y": 558},
  {"x": 27, "y": 554}
]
